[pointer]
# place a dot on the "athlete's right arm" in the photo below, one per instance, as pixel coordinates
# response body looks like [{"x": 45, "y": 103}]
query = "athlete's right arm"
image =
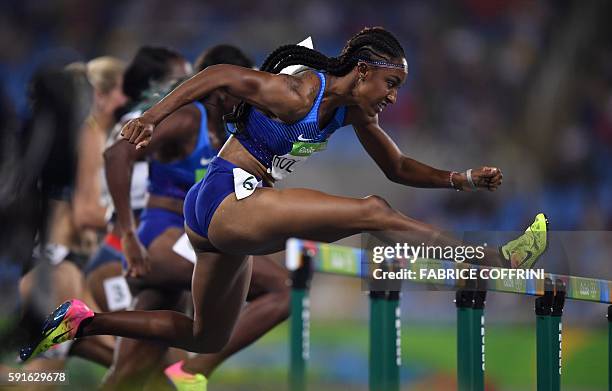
[
  {"x": 119, "y": 159},
  {"x": 274, "y": 93}
]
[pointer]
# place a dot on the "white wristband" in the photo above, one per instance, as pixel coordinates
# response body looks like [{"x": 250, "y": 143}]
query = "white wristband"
[{"x": 468, "y": 175}]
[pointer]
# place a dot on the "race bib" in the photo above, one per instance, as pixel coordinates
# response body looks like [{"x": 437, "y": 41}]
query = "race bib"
[
  {"x": 184, "y": 248},
  {"x": 284, "y": 165},
  {"x": 244, "y": 183},
  {"x": 118, "y": 296},
  {"x": 140, "y": 181}
]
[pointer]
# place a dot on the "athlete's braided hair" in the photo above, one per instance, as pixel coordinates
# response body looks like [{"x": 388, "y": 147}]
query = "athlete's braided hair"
[{"x": 374, "y": 44}]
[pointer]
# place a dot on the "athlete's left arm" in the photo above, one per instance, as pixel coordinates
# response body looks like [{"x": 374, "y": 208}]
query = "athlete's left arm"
[
  {"x": 87, "y": 210},
  {"x": 402, "y": 169}
]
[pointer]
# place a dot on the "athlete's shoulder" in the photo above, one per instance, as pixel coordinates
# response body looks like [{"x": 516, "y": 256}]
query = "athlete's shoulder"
[{"x": 295, "y": 94}]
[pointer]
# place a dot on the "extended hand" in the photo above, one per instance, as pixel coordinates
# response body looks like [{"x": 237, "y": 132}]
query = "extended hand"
[
  {"x": 136, "y": 256},
  {"x": 489, "y": 178},
  {"x": 138, "y": 131}
]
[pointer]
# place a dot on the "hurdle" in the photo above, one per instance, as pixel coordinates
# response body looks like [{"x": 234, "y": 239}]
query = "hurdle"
[{"x": 304, "y": 258}]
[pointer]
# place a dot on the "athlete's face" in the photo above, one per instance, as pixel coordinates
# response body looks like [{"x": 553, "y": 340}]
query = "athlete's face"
[
  {"x": 179, "y": 69},
  {"x": 108, "y": 102},
  {"x": 377, "y": 86}
]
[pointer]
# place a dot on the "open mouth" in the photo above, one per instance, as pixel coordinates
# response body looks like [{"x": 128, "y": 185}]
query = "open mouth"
[{"x": 380, "y": 107}]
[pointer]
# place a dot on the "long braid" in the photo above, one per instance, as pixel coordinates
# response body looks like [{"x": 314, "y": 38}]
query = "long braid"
[{"x": 374, "y": 43}]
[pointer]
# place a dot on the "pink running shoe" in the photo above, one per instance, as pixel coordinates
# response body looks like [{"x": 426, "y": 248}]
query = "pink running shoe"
[{"x": 62, "y": 325}]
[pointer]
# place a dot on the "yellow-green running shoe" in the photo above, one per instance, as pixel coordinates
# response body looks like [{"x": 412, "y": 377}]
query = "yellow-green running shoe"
[
  {"x": 184, "y": 381},
  {"x": 524, "y": 251},
  {"x": 62, "y": 325}
]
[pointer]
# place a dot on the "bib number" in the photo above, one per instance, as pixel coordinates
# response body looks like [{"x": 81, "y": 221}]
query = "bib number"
[
  {"x": 284, "y": 165},
  {"x": 245, "y": 183},
  {"x": 117, "y": 292}
]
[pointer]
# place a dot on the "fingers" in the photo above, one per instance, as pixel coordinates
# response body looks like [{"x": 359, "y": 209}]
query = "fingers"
[
  {"x": 137, "y": 271},
  {"x": 489, "y": 178},
  {"x": 143, "y": 139},
  {"x": 489, "y": 172},
  {"x": 127, "y": 130},
  {"x": 138, "y": 268},
  {"x": 130, "y": 272},
  {"x": 136, "y": 132},
  {"x": 495, "y": 181}
]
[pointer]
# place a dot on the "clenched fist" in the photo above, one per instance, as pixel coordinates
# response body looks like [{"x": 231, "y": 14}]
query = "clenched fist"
[{"x": 138, "y": 131}]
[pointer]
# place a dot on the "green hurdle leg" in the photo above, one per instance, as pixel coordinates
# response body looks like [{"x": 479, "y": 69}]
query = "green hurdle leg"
[
  {"x": 555, "y": 352},
  {"x": 299, "y": 334},
  {"x": 376, "y": 359},
  {"x": 392, "y": 342},
  {"x": 464, "y": 301},
  {"x": 543, "y": 353},
  {"x": 299, "y": 326},
  {"x": 477, "y": 340},
  {"x": 556, "y": 334},
  {"x": 543, "y": 310},
  {"x": 610, "y": 348}
]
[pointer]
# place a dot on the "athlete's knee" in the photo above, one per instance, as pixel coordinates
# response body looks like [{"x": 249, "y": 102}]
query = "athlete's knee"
[
  {"x": 376, "y": 213},
  {"x": 115, "y": 375},
  {"x": 207, "y": 345},
  {"x": 376, "y": 202},
  {"x": 375, "y": 205},
  {"x": 122, "y": 378},
  {"x": 205, "y": 341},
  {"x": 110, "y": 378},
  {"x": 279, "y": 293},
  {"x": 132, "y": 372}
]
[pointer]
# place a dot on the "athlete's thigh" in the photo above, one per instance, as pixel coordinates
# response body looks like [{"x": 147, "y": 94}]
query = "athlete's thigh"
[
  {"x": 168, "y": 269},
  {"x": 262, "y": 222},
  {"x": 63, "y": 281},
  {"x": 68, "y": 282},
  {"x": 219, "y": 289},
  {"x": 95, "y": 281}
]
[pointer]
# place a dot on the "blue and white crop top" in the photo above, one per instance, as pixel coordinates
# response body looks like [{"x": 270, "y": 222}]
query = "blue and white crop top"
[
  {"x": 176, "y": 178},
  {"x": 281, "y": 147}
]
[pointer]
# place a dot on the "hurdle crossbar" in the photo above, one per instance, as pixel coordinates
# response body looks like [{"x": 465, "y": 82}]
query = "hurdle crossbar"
[{"x": 303, "y": 258}]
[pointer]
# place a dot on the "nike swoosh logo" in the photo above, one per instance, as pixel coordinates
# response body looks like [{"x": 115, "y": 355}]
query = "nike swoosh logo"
[
  {"x": 528, "y": 256},
  {"x": 535, "y": 244},
  {"x": 57, "y": 337},
  {"x": 301, "y": 138},
  {"x": 204, "y": 162}
]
